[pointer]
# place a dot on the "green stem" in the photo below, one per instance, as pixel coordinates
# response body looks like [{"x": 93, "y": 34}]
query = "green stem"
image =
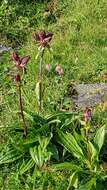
[
  {"x": 21, "y": 109},
  {"x": 40, "y": 80}
]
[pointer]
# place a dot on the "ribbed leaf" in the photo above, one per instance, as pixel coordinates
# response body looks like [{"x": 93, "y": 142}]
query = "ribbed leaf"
[
  {"x": 73, "y": 181},
  {"x": 44, "y": 141},
  {"x": 67, "y": 166},
  {"x": 99, "y": 138},
  {"x": 78, "y": 137},
  {"x": 34, "y": 153},
  {"x": 54, "y": 151},
  {"x": 35, "y": 118},
  {"x": 92, "y": 152},
  {"x": 54, "y": 121},
  {"x": 39, "y": 153},
  {"x": 60, "y": 114},
  {"x": 89, "y": 185},
  {"x": 40, "y": 156},
  {"x": 10, "y": 156},
  {"x": 70, "y": 144},
  {"x": 43, "y": 128},
  {"x": 26, "y": 166},
  {"x": 30, "y": 141}
]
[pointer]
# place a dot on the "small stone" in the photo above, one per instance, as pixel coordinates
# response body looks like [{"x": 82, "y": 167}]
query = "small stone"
[{"x": 89, "y": 95}]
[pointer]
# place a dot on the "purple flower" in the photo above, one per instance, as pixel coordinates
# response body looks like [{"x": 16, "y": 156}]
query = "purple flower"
[
  {"x": 59, "y": 70},
  {"x": 42, "y": 38},
  {"x": 87, "y": 114},
  {"x": 48, "y": 67},
  {"x": 20, "y": 62}
]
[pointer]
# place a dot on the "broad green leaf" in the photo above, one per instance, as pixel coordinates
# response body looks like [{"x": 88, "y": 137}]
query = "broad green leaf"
[
  {"x": 78, "y": 137},
  {"x": 100, "y": 185},
  {"x": 71, "y": 144},
  {"x": 54, "y": 151},
  {"x": 92, "y": 152},
  {"x": 67, "y": 166},
  {"x": 99, "y": 138},
  {"x": 54, "y": 121},
  {"x": 26, "y": 166},
  {"x": 67, "y": 123},
  {"x": 30, "y": 141},
  {"x": 10, "y": 156},
  {"x": 40, "y": 157},
  {"x": 43, "y": 128},
  {"x": 28, "y": 116},
  {"x": 44, "y": 141},
  {"x": 59, "y": 114},
  {"x": 35, "y": 118},
  {"x": 73, "y": 181},
  {"x": 89, "y": 185},
  {"x": 39, "y": 153},
  {"x": 34, "y": 153}
]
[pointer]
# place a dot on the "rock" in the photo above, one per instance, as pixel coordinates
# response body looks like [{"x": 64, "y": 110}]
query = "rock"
[
  {"x": 4, "y": 49},
  {"x": 89, "y": 95}
]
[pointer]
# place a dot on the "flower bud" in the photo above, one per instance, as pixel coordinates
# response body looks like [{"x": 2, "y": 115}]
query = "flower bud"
[
  {"x": 17, "y": 78},
  {"x": 59, "y": 70},
  {"x": 87, "y": 114},
  {"x": 42, "y": 38},
  {"x": 48, "y": 67}
]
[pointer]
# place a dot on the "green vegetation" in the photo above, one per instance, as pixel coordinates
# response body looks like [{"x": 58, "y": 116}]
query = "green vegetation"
[{"x": 64, "y": 149}]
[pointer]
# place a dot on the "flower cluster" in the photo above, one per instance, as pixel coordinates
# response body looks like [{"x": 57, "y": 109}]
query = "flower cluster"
[
  {"x": 20, "y": 63},
  {"x": 42, "y": 38}
]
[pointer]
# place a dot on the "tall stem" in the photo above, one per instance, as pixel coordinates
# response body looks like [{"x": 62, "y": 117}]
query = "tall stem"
[
  {"x": 40, "y": 80},
  {"x": 21, "y": 109}
]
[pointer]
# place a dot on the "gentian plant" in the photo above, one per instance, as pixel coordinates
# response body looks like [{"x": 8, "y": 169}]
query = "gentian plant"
[
  {"x": 20, "y": 64},
  {"x": 43, "y": 40}
]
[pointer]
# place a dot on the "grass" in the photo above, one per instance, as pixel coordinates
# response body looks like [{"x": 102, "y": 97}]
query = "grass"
[{"x": 79, "y": 45}]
